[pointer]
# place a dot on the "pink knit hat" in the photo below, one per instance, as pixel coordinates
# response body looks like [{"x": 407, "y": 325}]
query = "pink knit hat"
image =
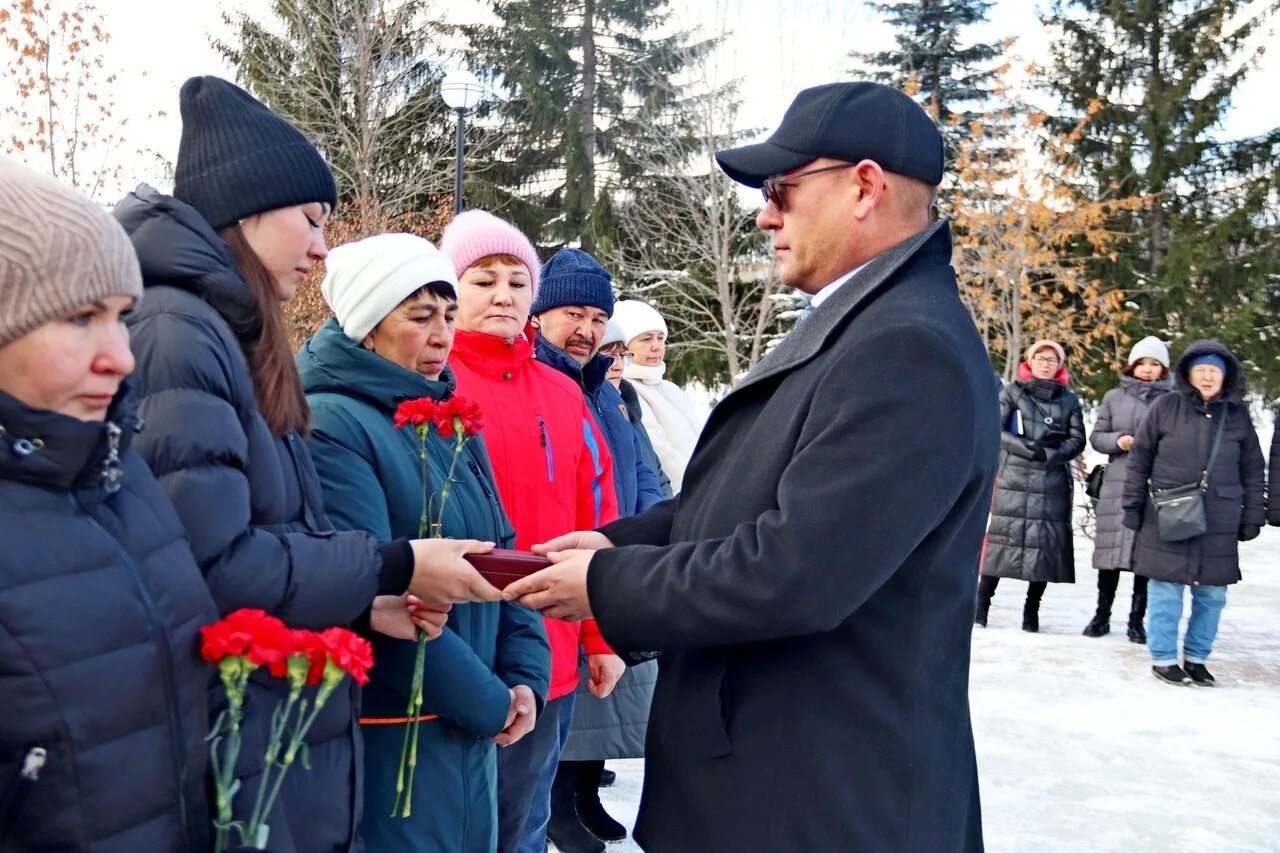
[{"x": 477, "y": 234}]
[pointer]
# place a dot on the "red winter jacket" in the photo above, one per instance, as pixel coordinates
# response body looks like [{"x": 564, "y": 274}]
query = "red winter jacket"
[{"x": 552, "y": 466}]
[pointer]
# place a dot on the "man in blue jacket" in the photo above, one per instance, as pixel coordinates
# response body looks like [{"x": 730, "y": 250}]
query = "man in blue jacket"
[{"x": 572, "y": 311}]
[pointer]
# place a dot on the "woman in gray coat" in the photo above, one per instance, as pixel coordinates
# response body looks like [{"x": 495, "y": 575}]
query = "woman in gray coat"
[{"x": 1146, "y": 377}]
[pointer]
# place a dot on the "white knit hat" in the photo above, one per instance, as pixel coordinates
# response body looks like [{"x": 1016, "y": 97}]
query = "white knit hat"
[
  {"x": 364, "y": 281},
  {"x": 1150, "y": 347},
  {"x": 613, "y": 334},
  {"x": 636, "y": 318}
]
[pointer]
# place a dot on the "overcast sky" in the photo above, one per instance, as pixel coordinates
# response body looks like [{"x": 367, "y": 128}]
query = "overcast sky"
[{"x": 777, "y": 47}]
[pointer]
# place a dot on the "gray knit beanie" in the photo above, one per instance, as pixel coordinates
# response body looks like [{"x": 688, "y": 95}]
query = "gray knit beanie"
[{"x": 58, "y": 250}]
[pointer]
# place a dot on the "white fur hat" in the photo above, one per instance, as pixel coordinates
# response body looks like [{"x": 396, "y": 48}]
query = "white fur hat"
[{"x": 364, "y": 281}]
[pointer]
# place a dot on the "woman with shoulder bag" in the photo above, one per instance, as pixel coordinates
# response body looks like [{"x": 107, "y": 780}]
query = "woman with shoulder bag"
[
  {"x": 1030, "y": 536},
  {"x": 1144, "y": 379},
  {"x": 1196, "y": 465}
]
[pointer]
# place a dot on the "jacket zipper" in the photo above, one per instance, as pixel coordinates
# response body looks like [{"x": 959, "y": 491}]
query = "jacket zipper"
[
  {"x": 488, "y": 497},
  {"x": 166, "y": 654},
  {"x": 33, "y": 761},
  {"x": 546, "y": 448}
]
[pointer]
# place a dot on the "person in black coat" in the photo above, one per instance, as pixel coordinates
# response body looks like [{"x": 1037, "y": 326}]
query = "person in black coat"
[
  {"x": 1030, "y": 537},
  {"x": 811, "y": 588},
  {"x": 226, "y": 416},
  {"x": 1172, "y": 448},
  {"x": 103, "y": 708}
]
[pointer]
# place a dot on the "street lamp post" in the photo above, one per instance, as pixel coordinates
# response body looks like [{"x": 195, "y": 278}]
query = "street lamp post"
[{"x": 461, "y": 91}]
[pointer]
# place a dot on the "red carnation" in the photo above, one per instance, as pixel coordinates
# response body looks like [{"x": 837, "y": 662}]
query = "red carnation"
[
  {"x": 350, "y": 653},
  {"x": 415, "y": 412},
  {"x": 257, "y": 635},
  {"x": 458, "y": 410}
]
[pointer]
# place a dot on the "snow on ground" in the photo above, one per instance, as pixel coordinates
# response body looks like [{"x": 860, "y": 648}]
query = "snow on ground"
[{"x": 1080, "y": 748}]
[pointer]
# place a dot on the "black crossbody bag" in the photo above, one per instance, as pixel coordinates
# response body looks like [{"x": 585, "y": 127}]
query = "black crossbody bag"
[{"x": 1180, "y": 510}]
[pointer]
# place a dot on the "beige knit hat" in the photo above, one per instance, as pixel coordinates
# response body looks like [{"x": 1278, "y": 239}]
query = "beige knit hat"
[{"x": 58, "y": 250}]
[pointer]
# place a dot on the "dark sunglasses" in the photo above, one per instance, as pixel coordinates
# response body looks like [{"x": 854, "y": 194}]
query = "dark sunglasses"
[{"x": 772, "y": 188}]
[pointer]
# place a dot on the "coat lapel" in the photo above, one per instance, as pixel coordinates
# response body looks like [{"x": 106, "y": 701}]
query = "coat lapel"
[{"x": 807, "y": 339}]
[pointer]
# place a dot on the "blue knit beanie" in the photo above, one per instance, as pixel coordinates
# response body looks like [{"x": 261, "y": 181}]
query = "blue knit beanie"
[
  {"x": 237, "y": 158},
  {"x": 572, "y": 277},
  {"x": 1209, "y": 358}
]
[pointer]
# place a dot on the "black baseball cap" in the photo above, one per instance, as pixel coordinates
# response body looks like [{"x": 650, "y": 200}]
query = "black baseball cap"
[{"x": 845, "y": 121}]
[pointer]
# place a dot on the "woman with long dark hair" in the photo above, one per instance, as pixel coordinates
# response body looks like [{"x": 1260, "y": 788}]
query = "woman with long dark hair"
[{"x": 226, "y": 416}]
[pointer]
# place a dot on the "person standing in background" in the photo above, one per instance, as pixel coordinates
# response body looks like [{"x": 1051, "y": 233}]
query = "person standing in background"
[
  {"x": 669, "y": 417},
  {"x": 1144, "y": 379}
]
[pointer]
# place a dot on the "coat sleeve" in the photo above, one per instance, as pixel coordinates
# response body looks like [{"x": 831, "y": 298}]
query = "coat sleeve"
[
  {"x": 597, "y": 496},
  {"x": 757, "y": 583},
  {"x": 524, "y": 655},
  {"x": 1073, "y": 445},
  {"x": 457, "y": 686},
  {"x": 1015, "y": 444},
  {"x": 648, "y": 489},
  {"x": 1253, "y": 476},
  {"x": 1104, "y": 437},
  {"x": 353, "y": 494},
  {"x": 198, "y": 449},
  {"x": 1273, "y": 480},
  {"x": 651, "y": 527},
  {"x": 1142, "y": 456},
  {"x": 670, "y": 458}
]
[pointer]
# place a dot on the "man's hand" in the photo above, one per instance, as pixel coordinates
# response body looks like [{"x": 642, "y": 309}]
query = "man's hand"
[
  {"x": 442, "y": 576},
  {"x": 400, "y": 616},
  {"x": 582, "y": 540},
  {"x": 521, "y": 716},
  {"x": 1125, "y": 443},
  {"x": 605, "y": 672},
  {"x": 559, "y": 591}
]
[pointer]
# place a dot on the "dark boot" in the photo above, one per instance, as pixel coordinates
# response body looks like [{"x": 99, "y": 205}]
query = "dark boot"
[
  {"x": 1100, "y": 625},
  {"x": 980, "y": 617},
  {"x": 590, "y": 810},
  {"x": 1137, "y": 633},
  {"x": 607, "y": 778},
  {"x": 1031, "y": 617},
  {"x": 564, "y": 829},
  {"x": 1198, "y": 674},
  {"x": 1171, "y": 674}
]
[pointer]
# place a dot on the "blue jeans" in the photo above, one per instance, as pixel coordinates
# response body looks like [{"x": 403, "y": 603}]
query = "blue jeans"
[
  {"x": 1164, "y": 612},
  {"x": 534, "y": 839}
]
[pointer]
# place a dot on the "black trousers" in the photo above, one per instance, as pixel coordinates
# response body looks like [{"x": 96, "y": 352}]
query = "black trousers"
[
  {"x": 1109, "y": 582},
  {"x": 1035, "y": 589}
]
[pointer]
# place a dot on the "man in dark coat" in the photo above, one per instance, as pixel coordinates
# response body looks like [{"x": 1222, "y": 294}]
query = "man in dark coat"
[{"x": 811, "y": 588}]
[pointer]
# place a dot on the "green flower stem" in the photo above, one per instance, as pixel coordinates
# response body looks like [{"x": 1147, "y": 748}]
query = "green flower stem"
[{"x": 279, "y": 722}]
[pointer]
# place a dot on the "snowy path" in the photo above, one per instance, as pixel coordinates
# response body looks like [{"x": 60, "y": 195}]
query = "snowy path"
[{"x": 1080, "y": 748}]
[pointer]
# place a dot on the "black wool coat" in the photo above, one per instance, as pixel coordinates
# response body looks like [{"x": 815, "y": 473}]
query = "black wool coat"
[
  {"x": 1171, "y": 449},
  {"x": 1030, "y": 537},
  {"x": 811, "y": 588},
  {"x": 250, "y": 501},
  {"x": 103, "y": 708}
]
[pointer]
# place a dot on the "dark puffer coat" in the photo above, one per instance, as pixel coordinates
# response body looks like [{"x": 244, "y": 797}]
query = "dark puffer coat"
[
  {"x": 1171, "y": 449},
  {"x": 631, "y": 400},
  {"x": 102, "y": 691},
  {"x": 250, "y": 501},
  {"x": 1029, "y": 537},
  {"x": 372, "y": 481},
  {"x": 1121, "y": 413}
]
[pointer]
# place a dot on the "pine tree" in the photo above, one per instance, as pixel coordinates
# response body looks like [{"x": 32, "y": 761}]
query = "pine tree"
[
  {"x": 1155, "y": 79},
  {"x": 356, "y": 76},
  {"x": 929, "y": 59},
  {"x": 575, "y": 75}
]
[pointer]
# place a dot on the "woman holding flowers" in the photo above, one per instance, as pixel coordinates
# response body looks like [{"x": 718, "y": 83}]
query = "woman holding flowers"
[
  {"x": 102, "y": 694},
  {"x": 379, "y": 363},
  {"x": 226, "y": 418}
]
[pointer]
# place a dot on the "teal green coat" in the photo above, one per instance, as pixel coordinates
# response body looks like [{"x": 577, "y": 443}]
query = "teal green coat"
[{"x": 370, "y": 474}]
